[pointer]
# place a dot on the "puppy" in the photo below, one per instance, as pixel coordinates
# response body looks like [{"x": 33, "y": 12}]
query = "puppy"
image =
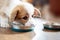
[
  {"x": 23, "y": 14},
  {"x": 18, "y": 11}
]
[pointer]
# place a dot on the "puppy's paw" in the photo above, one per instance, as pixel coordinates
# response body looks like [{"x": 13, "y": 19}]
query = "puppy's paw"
[
  {"x": 4, "y": 20},
  {"x": 5, "y": 25}
]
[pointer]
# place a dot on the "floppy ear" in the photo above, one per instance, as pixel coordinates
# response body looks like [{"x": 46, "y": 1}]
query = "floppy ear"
[
  {"x": 14, "y": 13},
  {"x": 37, "y": 13}
]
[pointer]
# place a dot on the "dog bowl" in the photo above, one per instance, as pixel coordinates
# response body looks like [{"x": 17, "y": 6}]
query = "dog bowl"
[
  {"x": 53, "y": 27},
  {"x": 21, "y": 28}
]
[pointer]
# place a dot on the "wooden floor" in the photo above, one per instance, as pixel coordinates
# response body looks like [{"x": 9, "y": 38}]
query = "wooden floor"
[
  {"x": 6, "y": 34},
  {"x": 17, "y": 36}
]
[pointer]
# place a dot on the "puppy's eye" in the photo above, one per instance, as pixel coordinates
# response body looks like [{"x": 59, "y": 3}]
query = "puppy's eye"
[{"x": 25, "y": 17}]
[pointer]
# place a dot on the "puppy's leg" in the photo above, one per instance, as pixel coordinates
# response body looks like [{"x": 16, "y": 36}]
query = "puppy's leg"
[{"x": 3, "y": 20}]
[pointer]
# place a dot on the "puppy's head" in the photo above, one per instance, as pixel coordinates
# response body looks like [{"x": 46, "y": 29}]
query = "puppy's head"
[
  {"x": 20, "y": 14},
  {"x": 23, "y": 13}
]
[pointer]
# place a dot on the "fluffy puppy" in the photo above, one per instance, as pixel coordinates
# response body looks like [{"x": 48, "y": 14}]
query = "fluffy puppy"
[
  {"x": 23, "y": 14},
  {"x": 18, "y": 11}
]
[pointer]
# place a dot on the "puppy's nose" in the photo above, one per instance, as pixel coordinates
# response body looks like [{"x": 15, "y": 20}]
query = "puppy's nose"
[{"x": 25, "y": 18}]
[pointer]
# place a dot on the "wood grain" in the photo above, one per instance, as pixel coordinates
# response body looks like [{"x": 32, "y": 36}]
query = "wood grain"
[{"x": 6, "y": 34}]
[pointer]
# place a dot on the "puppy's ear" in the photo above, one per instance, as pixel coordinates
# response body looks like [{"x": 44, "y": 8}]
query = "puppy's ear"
[
  {"x": 37, "y": 13},
  {"x": 14, "y": 13},
  {"x": 18, "y": 9}
]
